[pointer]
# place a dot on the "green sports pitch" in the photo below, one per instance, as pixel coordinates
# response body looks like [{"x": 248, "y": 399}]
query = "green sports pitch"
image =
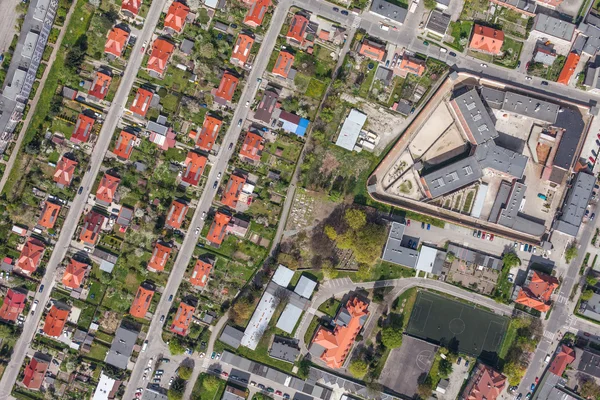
[{"x": 458, "y": 326}]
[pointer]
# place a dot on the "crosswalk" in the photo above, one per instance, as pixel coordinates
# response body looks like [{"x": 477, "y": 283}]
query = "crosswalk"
[
  {"x": 334, "y": 283},
  {"x": 561, "y": 299}
]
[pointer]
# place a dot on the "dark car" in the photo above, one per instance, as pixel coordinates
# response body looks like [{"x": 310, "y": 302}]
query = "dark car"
[
  {"x": 162, "y": 318},
  {"x": 344, "y": 12},
  {"x": 428, "y": 227},
  {"x": 234, "y": 26},
  {"x": 458, "y": 361},
  {"x": 426, "y": 43},
  {"x": 270, "y": 390},
  {"x": 422, "y": 225},
  {"x": 336, "y": 9},
  {"x": 41, "y": 288},
  {"x": 215, "y": 184},
  {"x": 80, "y": 190},
  {"x": 544, "y": 83},
  {"x": 519, "y": 396},
  {"x": 230, "y": 146},
  {"x": 261, "y": 386},
  {"x": 452, "y": 54},
  {"x": 518, "y": 64},
  {"x": 170, "y": 297}
]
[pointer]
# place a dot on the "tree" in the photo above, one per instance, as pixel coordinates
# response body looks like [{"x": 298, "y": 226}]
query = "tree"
[
  {"x": 211, "y": 383},
  {"x": 176, "y": 390},
  {"x": 329, "y": 271},
  {"x": 369, "y": 242},
  {"x": 241, "y": 311},
  {"x": 430, "y": 4},
  {"x": 176, "y": 347},
  {"x": 589, "y": 389},
  {"x": 515, "y": 371},
  {"x": 425, "y": 388},
  {"x": 358, "y": 368},
  {"x": 330, "y": 232},
  {"x": 445, "y": 368},
  {"x": 571, "y": 253},
  {"x": 207, "y": 50},
  {"x": 363, "y": 273},
  {"x": 76, "y": 54},
  {"x": 111, "y": 15},
  {"x": 587, "y": 294},
  {"x": 356, "y": 219},
  {"x": 391, "y": 337},
  {"x": 185, "y": 372},
  {"x": 591, "y": 281},
  {"x": 511, "y": 260}
]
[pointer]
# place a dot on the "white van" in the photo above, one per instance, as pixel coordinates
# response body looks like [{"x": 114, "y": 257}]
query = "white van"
[{"x": 144, "y": 346}]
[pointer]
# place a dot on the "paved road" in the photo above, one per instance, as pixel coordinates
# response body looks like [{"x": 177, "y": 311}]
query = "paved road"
[{"x": 8, "y": 21}]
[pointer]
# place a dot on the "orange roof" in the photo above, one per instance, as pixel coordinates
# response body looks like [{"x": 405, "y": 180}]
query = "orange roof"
[
  {"x": 487, "y": 39},
  {"x": 56, "y": 320},
  {"x": 569, "y": 68},
  {"x": 194, "y": 167},
  {"x": 241, "y": 50},
  {"x": 284, "y": 63},
  {"x": 524, "y": 299},
  {"x": 227, "y": 87},
  {"x": 141, "y": 302},
  {"x": 252, "y": 147},
  {"x": 30, "y": 256},
  {"x": 74, "y": 274},
  {"x": 297, "y": 28},
  {"x": 92, "y": 223},
  {"x": 124, "y": 145},
  {"x": 257, "y": 12},
  {"x": 324, "y": 35},
  {"x": 49, "y": 215},
  {"x": 176, "y": 16},
  {"x": 337, "y": 343},
  {"x": 537, "y": 293},
  {"x": 141, "y": 103},
  {"x": 83, "y": 129},
  {"x": 160, "y": 256},
  {"x": 176, "y": 214},
  {"x": 100, "y": 85},
  {"x": 13, "y": 305},
  {"x": 485, "y": 384},
  {"x": 200, "y": 274},
  {"x": 233, "y": 191},
  {"x": 182, "y": 319},
  {"x": 64, "y": 171},
  {"x": 117, "y": 38},
  {"x": 208, "y": 134},
  {"x": 34, "y": 374},
  {"x": 161, "y": 52},
  {"x": 412, "y": 65},
  {"x": 107, "y": 189},
  {"x": 216, "y": 233},
  {"x": 133, "y": 6},
  {"x": 564, "y": 357},
  {"x": 372, "y": 50}
]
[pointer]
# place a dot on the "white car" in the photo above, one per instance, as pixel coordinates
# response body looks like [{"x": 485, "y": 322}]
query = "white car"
[
  {"x": 203, "y": 215},
  {"x": 150, "y": 362},
  {"x": 219, "y": 175},
  {"x": 483, "y": 65},
  {"x": 197, "y": 231},
  {"x": 247, "y": 103},
  {"x": 528, "y": 78}
]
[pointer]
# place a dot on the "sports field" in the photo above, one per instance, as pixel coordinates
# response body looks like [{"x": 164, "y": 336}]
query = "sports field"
[{"x": 457, "y": 325}]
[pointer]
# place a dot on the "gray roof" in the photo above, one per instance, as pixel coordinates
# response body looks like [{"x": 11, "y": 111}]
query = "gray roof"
[
  {"x": 589, "y": 39},
  {"x": 525, "y": 5},
  {"x": 576, "y": 203},
  {"x": 475, "y": 257},
  {"x": 289, "y": 318},
  {"x": 305, "y": 287},
  {"x": 438, "y": 22},
  {"x": 505, "y": 210},
  {"x": 389, "y": 10},
  {"x": 490, "y": 155},
  {"x": 231, "y": 336},
  {"x": 154, "y": 393},
  {"x": 494, "y": 98},
  {"x": 125, "y": 216},
  {"x": 283, "y": 351},
  {"x": 545, "y": 55},
  {"x": 394, "y": 252},
  {"x": 501, "y": 198},
  {"x": 531, "y": 107},
  {"x": 157, "y": 128},
  {"x": 478, "y": 120},
  {"x": 511, "y": 206},
  {"x": 588, "y": 362},
  {"x": 351, "y": 129},
  {"x": 186, "y": 46},
  {"x": 550, "y": 388},
  {"x": 554, "y": 27},
  {"x": 385, "y": 75},
  {"x": 121, "y": 348},
  {"x": 572, "y": 122},
  {"x": 431, "y": 260},
  {"x": 232, "y": 393},
  {"x": 453, "y": 176},
  {"x": 267, "y": 104},
  {"x": 220, "y": 26}
]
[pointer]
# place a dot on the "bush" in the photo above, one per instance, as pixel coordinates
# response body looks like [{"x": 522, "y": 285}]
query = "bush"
[
  {"x": 391, "y": 337},
  {"x": 358, "y": 368}
]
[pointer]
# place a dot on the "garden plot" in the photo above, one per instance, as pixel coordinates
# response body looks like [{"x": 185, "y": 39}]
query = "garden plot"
[
  {"x": 408, "y": 186},
  {"x": 439, "y": 121},
  {"x": 449, "y": 145},
  {"x": 400, "y": 166}
]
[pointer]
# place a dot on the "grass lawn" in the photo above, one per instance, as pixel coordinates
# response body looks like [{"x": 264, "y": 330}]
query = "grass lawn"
[
  {"x": 330, "y": 307},
  {"x": 509, "y": 339},
  {"x": 201, "y": 393},
  {"x": 87, "y": 314},
  {"x": 363, "y": 91},
  {"x": 96, "y": 292},
  {"x": 460, "y": 29},
  {"x": 512, "y": 51},
  {"x": 405, "y": 303},
  {"x": 98, "y": 351},
  {"x": 105, "y": 337},
  {"x": 316, "y": 89},
  {"x": 310, "y": 331}
]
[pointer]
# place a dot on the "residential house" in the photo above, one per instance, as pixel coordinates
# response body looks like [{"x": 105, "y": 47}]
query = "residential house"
[
  {"x": 122, "y": 347},
  {"x": 100, "y": 85},
  {"x": 35, "y": 371},
  {"x": 438, "y": 23},
  {"x": 83, "y": 129},
  {"x": 161, "y": 134},
  {"x": 252, "y": 147},
  {"x": 116, "y": 41},
  {"x": 238, "y": 227},
  {"x": 49, "y": 214},
  {"x": 283, "y": 65},
  {"x": 92, "y": 224},
  {"x": 160, "y": 256},
  {"x": 485, "y": 384},
  {"x": 569, "y": 68},
  {"x": 63, "y": 174},
  {"x": 218, "y": 228},
  {"x": 131, "y": 7},
  {"x": 267, "y": 106},
  {"x": 205, "y": 140},
  {"x": 293, "y": 123},
  {"x": 124, "y": 145},
  {"x": 194, "y": 167},
  {"x": 176, "y": 214},
  {"x": 141, "y": 102},
  {"x": 176, "y": 16},
  {"x": 544, "y": 54},
  {"x": 125, "y": 216},
  {"x": 372, "y": 50},
  {"x": 224, "y": 93},
  {"x": 562, "y": 358},
  {"x": 537, "y": 291},
  {"x": 241, "y": 50},
  {"x": 30, "y": 257},
  {"x": 233, "y": 189},
  {"x": 107, "y": 190},
  {"x": 141, "y": 301},
  {"x": 389, "y": 10},
  {"x": 159, "y": 57},
  {"x": 74, "y": 274},
  {"x": 487, "y": 40},
  {"x": 256, "y": 13},
  {"x": 199, "y": 277},
  {"x": 297, "y": 30},
  {"x": 411, "y": 65},
  {"x": 56, "y": 319},
  {"x": 182, "y": 319},
  {"x": 12, "y": 305}
]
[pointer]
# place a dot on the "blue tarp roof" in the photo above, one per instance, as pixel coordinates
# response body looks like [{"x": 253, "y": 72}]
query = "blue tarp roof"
[{"x": 302, "y": 126}]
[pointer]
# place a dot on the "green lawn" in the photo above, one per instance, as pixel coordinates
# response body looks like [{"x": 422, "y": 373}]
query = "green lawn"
[
  {"x": 96, "y": 292},
  {"x": 310, "y": 331},
  {"x": 97, "y": 352},
  {"x": 512, "y": 51},
  {"x": 405, "y": 303},
  {"x": 86, "y": 316},
  {"x": 460, "y": 29},
  {"x": 330, "y": 307},
  {"x": 509, "y": 339},
  {"x": 201, "y": 393},
  {"x": 369, "y": 75},
  {"x": 316, "y": 89}
]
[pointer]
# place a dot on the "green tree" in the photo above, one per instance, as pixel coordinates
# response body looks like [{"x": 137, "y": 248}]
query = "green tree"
[
  {"x": 241, "y": 311},
  {"x": 511, "y": 260},
  {"x": 391, "y": 337},
  {"x": 185, "y": 372},
  {"x": 368, "y": 244},
  {"x": 176, "y": 390},
  {"x": 588, "y": 389},
  {"x": 430, "y": 4},
  {"x": 358, "y": 368},
  {"x": 445, "y": 368},
  {"x": 363, "y": 273},
  {"x": 591, "y": 281},
  {"x": 424, "y": 389},
  {"x": 211, "y": 383},
  {"x": 587, "y": 294},
  {"x": 330, "y": 232},
  {"x": 329, "y": 271},
  {"x": 176, "y": 347},
  {"x": 356, "y": 219},
  {"x": 571, "y": 253},
  {"x": 515, "y": 371}
]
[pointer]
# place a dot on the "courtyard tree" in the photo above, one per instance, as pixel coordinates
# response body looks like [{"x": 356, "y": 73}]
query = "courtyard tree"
[
  {"x": 587, "y": 294},
  {"x": 430, "y": 4},
  {"x": 176, "y": 347},
  {"x": 511, "y": 260},
  {"x": 358, "y": 368},
  {"x": 185, "y": 372},
  {"x": 329, "y": 271},
  {"x": 211, "y": 383},
  {"x": 391, "y": 337},
  {"x": 241, "y": 311},
  {"x": 571, "y": 252}
]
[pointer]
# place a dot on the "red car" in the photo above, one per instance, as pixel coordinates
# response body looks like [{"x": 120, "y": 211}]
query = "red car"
[
  {"x": 278, "y": 392},
  {"x": 225, "y": 374},
  {"x": 408, "y": 222},
  {"x": 537, "y": 380},
  {"x": 592, "y": 159},
  {"x": 492, "y": 237},
  {"x": 483, "y": 235}
]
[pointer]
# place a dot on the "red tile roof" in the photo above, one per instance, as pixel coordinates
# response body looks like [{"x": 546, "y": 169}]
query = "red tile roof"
[
  {"x": 569, "y": 68},
  {"x": 208, "y": 134},
  {"x": 13, "y": 305},
  {"x": 176, "y": 214},
  {"x": 124, "y": 145},
  {"x": 227, "y": 87},
  {"x": 252, "y": 147},
  {"x": 74, "y": 274},
  {"x": 241, "y": 50},
  {"x": 83, "y": 129},
  {"x": 372, "y": 50},
  {"x": 257, "y": 12},
  {"x": 100, "y": 85},
  {"x": 133, "y": 6},
  {"x": 485, "y": 384},
  {"x": 297, "y": 28},
  {"x": 90, "y": 231},
  {"x": 160, "y": 256},
  {"x": 564, "y": 357},
  {"x": 487, "y": 39},
  {"x": 284, "y": 63},
  {"x": 232, "y": 192},
  {"x": 107, "y": 188},
  {"x": 176, "y": 16},
  {"x": 117, "y": 38},
  {"x": 30, "y": 256},
  {"x": 537, "y": 293},
  {"x": 161, "y": 52},
  {"x": 142, "y": 101},
  {"x": 194, "y": 167},
  {"x": 56, "y": 320},
  {"x": 182, "y": 319},
  {"x": 49, "y": 215},
  {"x": 34, "y": 374},
  {"x": 64, "y": 171},
  {"x": 200, "y": 274},
  {"x": 141, "y": 302},
  {"x": 216, "y": 233},
  {"x": 412, "y": 65}
]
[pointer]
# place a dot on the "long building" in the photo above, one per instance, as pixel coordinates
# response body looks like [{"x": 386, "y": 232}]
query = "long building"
[{"x": 575, "y": 205}]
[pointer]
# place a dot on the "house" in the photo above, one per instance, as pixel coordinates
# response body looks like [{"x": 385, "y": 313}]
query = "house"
[
  {"x": 334, "y": 345},
  {"x": 107, "y": 190},
  {"x": 297, "y": 30},
  {"x": 241, "y": 50},
  {"x": 217, "y": 230},
  {"x": 186, "y": 46},
  {"x": 49, "y": 214},
  {"x": 252, "y": 147},
  {"x": 100, "y": 85},
  {"x": 141, "y": 301},
  {"x": 161, "y": 134},
  {"x": 176, "y": 214},
  {"x": 107, "y": 388},
  {"x": 256, "y": 13},
  {"x": 485, "y": 384},
  {"x": 231, "y": 336},
  {"x": 161, "y": 52},
  {"x": 430, "y": 260},
  {"x": 12, "y": 305},
  {"x": 141, "y": 103},
  {"x": 351, "y": 128},
  {"x": 372, "y": 50},
  {"x": 438, "y": 23},
  {"x": 224, "y": 93},
  {"x": 537, "y": 291},
  {"x": 35, "y": 371},
  {"x": 125, "y": 216},
  {"x": 555, "y": 27},
  {"x": 267, "y": 106},
  {"x": 83, "y": 129},
  {"x": 75, "y": 274},
  {"x": 233, "y": 393},
  {"x": 122, "y": 347},
  {"x": 107, "y": 259},
  {"x": 92, "y": 224},
  {"x": 63, "y": 174},
  {"x": 544, "y": 54},
  {"x": 283, "y": 65},
  {"x": 182, "y": 319},
  {"x": 205, "y": 140},
  {"x": 56, "y": 319},
  {"x": 397, "y": 252},
  {"x": 160, "y": 256},
  {"x": 200, "y": 273},
  {"x": 575, "y": 205},
  {"x": 124, "y": 145},
  {"x": 30, "y": 257},
  {"x": 411, "y": 65},
  {"x": 282, "y": 350},
  {"x": 238, "y": 227},
  {"x": 175, "y": 19},
  {"x": 487, "y": 40},
  {"x": 384, "y": 75},
  {"x": 562, "y": 358},
  {"x": 116, "y": 41},
  {"x": 293, "y": 123},
  {"x": 232, "y": 192},
  {"x": 194, "y": 167},
  {"x": 388, "y": 10},
  {"x": 131, "y": 7},
  {"x": 569, "y": 68}
]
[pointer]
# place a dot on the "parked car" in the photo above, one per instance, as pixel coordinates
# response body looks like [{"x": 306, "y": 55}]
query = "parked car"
[
  {"x": 213, "y": 355},
  {"x": 527, "y": 78},
  {"x": 510, "y": 278},
  {"x": 230, "y": 145},
  {"x": 215, "y": 184},
  {"x": 492, "y": 237},
  {"x": 225, "y": 374},
  {"x": 458, "y": 361},
  {"x": 483, "y": 235},
  {"x": 483, "y": 65},
  {"x": 171, "y": 298},
  {"x": 478, "y": 234},
  {"x": 162, "y": 318},
  {"x": 537, "y": 379},
  {"x": 428, "y": 227},
  {"x": 474, "y": 232},
  {"x": 408, "y": 222},
  {"x": 203, "y": 215},
  {"x": 426, "y": 43},
  {"x": 593, "y": 216},
  {"x": 532, "y": 388},
  {"x": 422, "y": 225},
  {"x": 344, "y": 12},
  {"x": 452, "y": 54},
  {"x": 286, "y": 396},
  {"x": 80, "y": 190},
  {"x": 544, "y": 83},
  {"x": 261, "y": 386},
  {"x": 41, "y": 288},
  {"x": 240, "y": 122},
  {"x": 270, "y": 389},
  {"x": 466, "y": 363},
  {"x": 278, "y": 392},
  {"x": 336, "y": 9},
  {"x": 519, "y": 396}
]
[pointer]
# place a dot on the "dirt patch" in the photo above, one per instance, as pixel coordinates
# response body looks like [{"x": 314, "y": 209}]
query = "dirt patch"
[
  {"x": 408, "y": 186},
  {"x": 308, "y": 209},
  {"x": 109, "y": 322},
  {"x": 439, "y": 121},
  {"x": 330, "y": 164},
  {"x": 449, "y": 145}
]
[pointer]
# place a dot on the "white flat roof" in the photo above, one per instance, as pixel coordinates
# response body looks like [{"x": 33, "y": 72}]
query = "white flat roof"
[
  {"x": 260, "y": 320},
  {"x": 351, "y": 129},
  {"x": 289, "y": 318},
  {"x": 426, "y": 259},
  {"x": 283, "y": 276},
  {"x": 305, "y": 287},
  {"x": 479, "y": 201},
  {"x": 104, "y": 387}
]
